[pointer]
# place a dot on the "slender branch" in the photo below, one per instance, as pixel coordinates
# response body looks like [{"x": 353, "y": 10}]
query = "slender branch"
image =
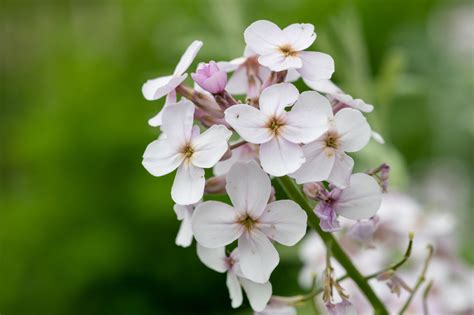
[
  {"x": 420, "y": 280},
  {"x": 425, "y": 297},
  {"x": 295, "y": 193},
  {"x": 237, "y": 144}
]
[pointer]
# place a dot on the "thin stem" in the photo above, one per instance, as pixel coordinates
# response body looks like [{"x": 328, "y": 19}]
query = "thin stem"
[
  {"x": 425, "y": 297},
  {"x": 420, "y": 280},
  {"x": 236, "y": 145},
  {"x": 295, "y": 193}
]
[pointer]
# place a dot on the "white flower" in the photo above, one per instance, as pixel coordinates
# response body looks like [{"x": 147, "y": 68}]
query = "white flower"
[
  {"x": 244, "y": 153},
  {"x": 187, "y": 150},
  {"x": 275, "y": 307},
  {"x": 280, "y": 132},
  {"x": 251, "y": 220},
  {"x": 161, "y": 86},
  {"x": 348, "y": 131},
  {"x": 258, "y": 293},
  {"x": 284, "y": 49},
  {"x": 185, "y": 233}
]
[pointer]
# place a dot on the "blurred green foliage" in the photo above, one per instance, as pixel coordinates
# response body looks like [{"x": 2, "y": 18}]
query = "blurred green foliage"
[{"x": 84, "y": 229}]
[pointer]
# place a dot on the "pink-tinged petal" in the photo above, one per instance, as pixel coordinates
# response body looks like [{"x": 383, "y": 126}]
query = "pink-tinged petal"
[
  {"x": 361, "y": 200},
  {"x": 277, "y": 61},
  {"x": 353, "y": 128},
  {"x": 238, "y": 82},
  {"x": 275, "y": 98},
  {"x": 249, "y": 188},
  {"x": 185, "y": 233},
  {"x": 280, "y": 157},
  {"x": 263, "y": 37},
  {"x": 258, "y": 256},
  {"x": 210, "y": 146},
  {"x": 341, "y": 170},
  {"x": 213, "y": 258},
  {"x": 233, "y": 65},
  {"x": 316, "y": 65},
  {"x": 215, "y": 224},
  {"x": 351, "y": 102},
  {"x": 300, "y": 35},
  {"x": 318, "y": 165},
  {"x": 308, "y": 119},
  {"x": 235, "y": 291},
  {"x": 188, "y": 185},
  {"x": 283, "y": 221},
  {"x": 159, "y": 87},
  {"x": 157, "y": 120},
  {"x": 244, "y": 153},
  {"x": 292, "y": 75},
  {"x": 275, "y": 307},
  {"x": 178, "y": 122},
  {"x": 323, "y": 86},
  {"x": 249, "y": 122},
  {"x": 258, "y": 294},
  {"x": 161, "y": 157},
  {"x": 188, "y": 57}
]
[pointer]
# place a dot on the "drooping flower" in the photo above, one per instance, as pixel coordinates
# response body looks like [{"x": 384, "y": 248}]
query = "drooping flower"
[
  {"x": 185, "y": 149},
  {"x": 363, "y": 231},
  {"x": 157, "y": 88},
  {"x": 185, "y": 233},
  {"x": 360, "y": 200},
  {"x": 280, "y": 132},
  {"x": 216, "y": 259},
  {"x": 251, "y": 221},
  {"x": 348, "y": 131},
  {"x": 209, "y": 77},
  {"x": 282, "y": 50},
  {"x": 394, "y": 282},
  {"x": 342, "y": 308}
]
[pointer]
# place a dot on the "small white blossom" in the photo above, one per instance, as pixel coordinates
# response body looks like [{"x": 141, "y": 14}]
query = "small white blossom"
[
  {"x": 185, "y": 233},
  {"x": 282, "y": 50},
  {"x": 216, "y": 259},
  {"x": 185, "y": 149},
  {"x": 280, "y": 132},
  {"x": 251, "y": 220}
]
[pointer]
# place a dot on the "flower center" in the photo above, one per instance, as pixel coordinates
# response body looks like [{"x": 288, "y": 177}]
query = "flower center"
[
  {"x": 274, "y": 125},
  {"x": 187, "y": 151},
  {"x": 288, "y": 51},
  {"x": 332, "y": 140},
  {"x": 248, "y": 222}
]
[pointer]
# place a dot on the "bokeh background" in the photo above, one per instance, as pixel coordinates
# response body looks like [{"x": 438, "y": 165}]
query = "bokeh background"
[{"x": 84, "y": 229}]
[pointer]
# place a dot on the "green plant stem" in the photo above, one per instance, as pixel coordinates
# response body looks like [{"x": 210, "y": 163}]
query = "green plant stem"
[{"x": 294, "y": 192}]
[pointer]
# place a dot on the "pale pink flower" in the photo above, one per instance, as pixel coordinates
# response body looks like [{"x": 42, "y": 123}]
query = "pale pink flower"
[
  {"x": 251, "y": 221},
  {"x": 282, "y": 50},
  {"x": 342, "y": 308},
  {"x": 275, "y": 307},
  {"x": 280, "y": 132},
  {"x": 216, "y": 259},
  {"x": 185, "y": 149},
  {"x": 209, "y": 77}
]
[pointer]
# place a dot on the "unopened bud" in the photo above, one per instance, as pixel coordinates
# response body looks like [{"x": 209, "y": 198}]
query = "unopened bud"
[{"x": 215, "y": 185}]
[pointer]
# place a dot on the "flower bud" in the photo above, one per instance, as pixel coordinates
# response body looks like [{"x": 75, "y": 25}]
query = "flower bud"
[
  {"x": 215, "y": 185},
  {"x": 210, "y": 78}
]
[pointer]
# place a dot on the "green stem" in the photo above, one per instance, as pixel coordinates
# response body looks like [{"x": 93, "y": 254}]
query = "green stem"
[{"x": 294, "y": 192}]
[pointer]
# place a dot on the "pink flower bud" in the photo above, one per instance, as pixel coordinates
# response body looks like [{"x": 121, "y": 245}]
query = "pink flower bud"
[
  {"x": 215, "y": 185},
  {"x": 210, "y": 78}
]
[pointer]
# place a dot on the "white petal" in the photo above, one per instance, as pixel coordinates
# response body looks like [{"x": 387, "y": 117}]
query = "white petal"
[
  {"x": 159, "y": 87},
  {"x": 249, "y": 123},
  {"x": 238, "y": 82},
  {"x": 210, "y": 146},
  {"x": 157, "y": 120},
  {"x": 185, "y": 233},
  {"x": 318, "y": 165},
  {"x": 161, "y": 157},
  {"x": 283, "y": 221},
  {"x": 278, "y": 62},
  {"x": 178, "y": 122},
  {"x": 316, "y": 65},
  {"x": 341, "y": 170},
  {"x": 213, "y": 258},
  {"x": 280, "y": 157},
  {"x": 263, "y": 37},
  {"x": 377, "y": 137},
  {"x": 258, "y": 294},
  {"x": 258, "y": 256},
  {"x": 244, "y": 153},
  {"x": 323, "y": 86},
  {"x": 300, "y": 35},
  {"x": 188, "y": 185},
  {"x": 188, "y": 57},
  {"x": 361, "y": 200},
  {"x": 229, "y": 66},
  {"x": 308, "y": 119},
  {"x": 235, "y": 291},
  {"x": 215, "y": 224},
  {"x": 292, "y": 75},
  {"x": 275, "y": 98},
  {"x": 249, "y": 188},
  {"x": 354, "y": 103},
  {"x": 353, "y": 129}
]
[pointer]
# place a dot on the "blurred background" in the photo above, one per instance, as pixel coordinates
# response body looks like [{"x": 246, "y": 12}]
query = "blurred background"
[{"x": 84, "y": 229}]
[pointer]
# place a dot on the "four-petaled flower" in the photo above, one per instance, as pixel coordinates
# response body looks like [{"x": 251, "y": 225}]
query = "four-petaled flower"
[
  {"x": 280, "y": 132},
  {"x": 184, "y": 148},
  {"x": 282, "y": 50},
  {"x": 251, "y": 220},
  {"x": 216, "y": 259}
]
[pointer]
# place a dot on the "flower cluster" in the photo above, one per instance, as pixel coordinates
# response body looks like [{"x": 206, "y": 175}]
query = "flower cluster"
[{"x": 247, "y": 121}]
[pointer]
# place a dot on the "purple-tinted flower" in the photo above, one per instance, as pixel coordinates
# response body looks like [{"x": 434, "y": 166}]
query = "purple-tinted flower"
[
  {"x": 210, "y": 77},
  {"x": 342, "y": 308},
  {"x": 394, "y": 282},
  {"x": 363, "y": 231}
]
